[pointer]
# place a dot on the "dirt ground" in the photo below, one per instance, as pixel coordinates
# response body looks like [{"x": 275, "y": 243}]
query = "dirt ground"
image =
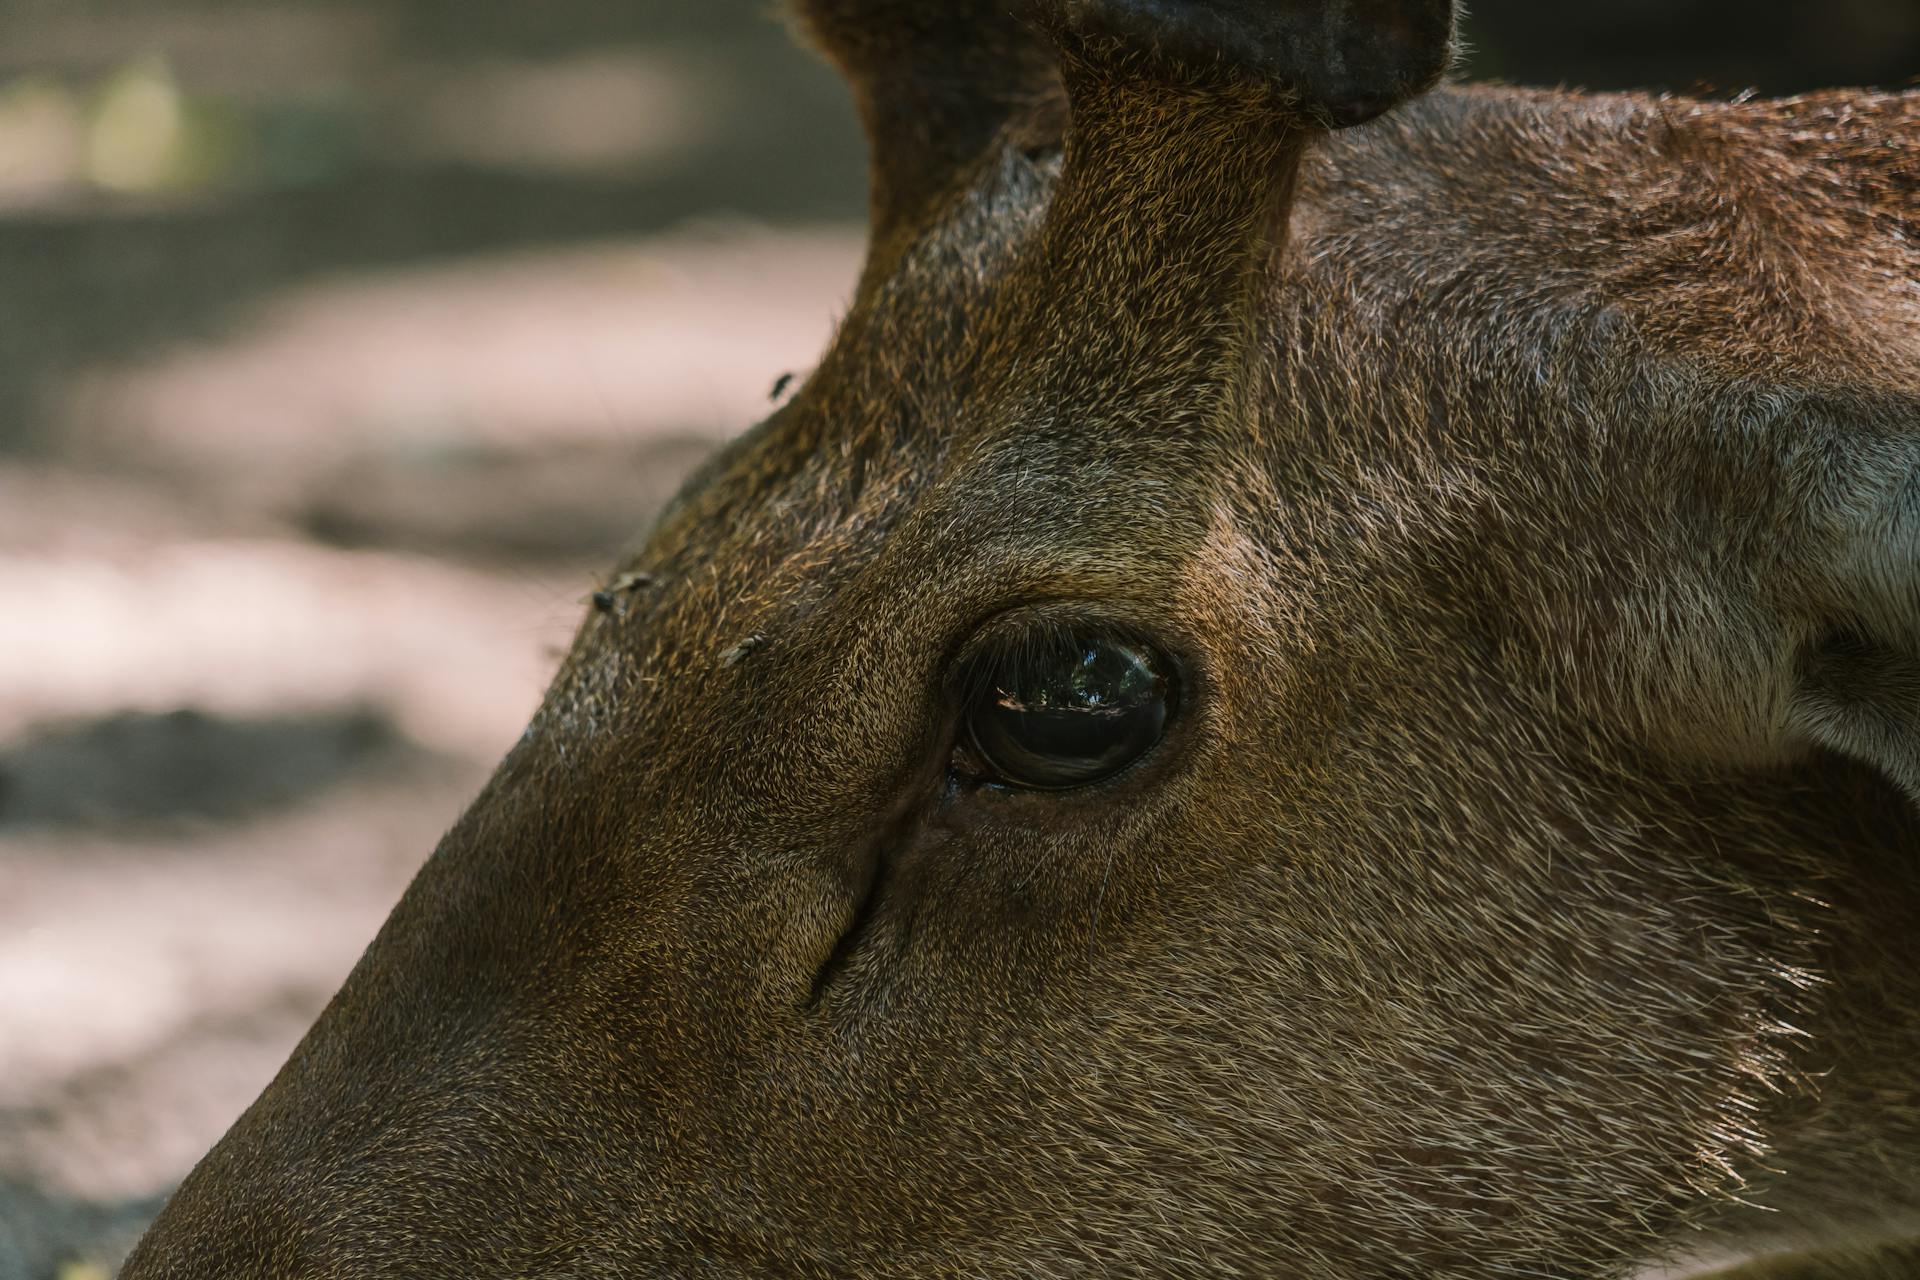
[
  {"x": 303, "y": 480},
  {"x": 250, "y": 677},
  {"x": 342, "y": 344}
]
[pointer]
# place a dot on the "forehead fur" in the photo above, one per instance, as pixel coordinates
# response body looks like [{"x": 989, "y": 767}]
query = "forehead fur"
[{"x": 1455, "y": 271}]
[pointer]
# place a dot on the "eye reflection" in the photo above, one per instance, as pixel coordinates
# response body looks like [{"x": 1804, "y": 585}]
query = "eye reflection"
[{"x": 1069, "y": 711}]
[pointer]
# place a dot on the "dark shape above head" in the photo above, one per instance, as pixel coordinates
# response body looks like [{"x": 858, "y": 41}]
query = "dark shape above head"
[{"x": 1334, "y": 64}]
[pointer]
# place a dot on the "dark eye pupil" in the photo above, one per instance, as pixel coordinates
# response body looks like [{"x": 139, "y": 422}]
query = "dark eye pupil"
[{"x": 1069, "y": 713}]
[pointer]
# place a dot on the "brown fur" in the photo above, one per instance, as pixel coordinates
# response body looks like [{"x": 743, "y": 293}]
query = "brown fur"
[{"x": 1527, "y": 882}]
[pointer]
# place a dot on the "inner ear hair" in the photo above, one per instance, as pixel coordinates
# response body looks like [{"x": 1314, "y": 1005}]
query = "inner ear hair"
[
  {"x": 1862, "y": 699},
  {"x": 1857, "y": 690}
]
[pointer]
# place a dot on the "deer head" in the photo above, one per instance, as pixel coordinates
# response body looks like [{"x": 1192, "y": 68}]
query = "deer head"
[{"x": 1283, "y": 702}]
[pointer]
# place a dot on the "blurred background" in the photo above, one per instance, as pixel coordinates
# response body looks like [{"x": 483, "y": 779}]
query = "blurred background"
[{"x": 342, "y": 344}]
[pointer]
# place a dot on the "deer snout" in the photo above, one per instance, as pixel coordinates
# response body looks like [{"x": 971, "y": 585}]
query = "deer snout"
[
  {"x": 538, "y": 1042},
  {"x": 455, "y": 1173}
]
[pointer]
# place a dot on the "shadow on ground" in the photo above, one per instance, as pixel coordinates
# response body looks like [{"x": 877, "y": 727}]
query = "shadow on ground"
[
  {"x": 38, "y": 1232},
  {"x": 133, "y": 769}
]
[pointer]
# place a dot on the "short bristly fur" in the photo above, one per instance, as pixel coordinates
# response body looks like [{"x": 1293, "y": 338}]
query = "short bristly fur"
[{"x": 1529, "y": 486}]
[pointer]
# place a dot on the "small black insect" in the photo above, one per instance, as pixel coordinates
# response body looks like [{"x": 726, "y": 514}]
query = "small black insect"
[{"x": 607, "y": 597}]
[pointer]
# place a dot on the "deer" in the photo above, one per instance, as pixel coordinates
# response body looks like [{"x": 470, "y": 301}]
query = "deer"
[{"x": 1323, "y": 681}]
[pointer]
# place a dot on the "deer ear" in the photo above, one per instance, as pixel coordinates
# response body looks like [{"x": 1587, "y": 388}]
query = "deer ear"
[
  {"x": 935, "y": 81},
  {"x": 1857, "y": 690}
]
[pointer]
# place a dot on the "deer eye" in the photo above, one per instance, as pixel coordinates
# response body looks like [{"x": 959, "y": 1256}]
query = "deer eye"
[{"x": 1068, "y": 710}]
